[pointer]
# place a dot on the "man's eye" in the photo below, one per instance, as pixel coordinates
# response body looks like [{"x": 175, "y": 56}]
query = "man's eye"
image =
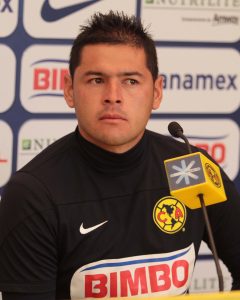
[
  {"x": 131, "y": 81},
  {"x": 96, "y": 80}
]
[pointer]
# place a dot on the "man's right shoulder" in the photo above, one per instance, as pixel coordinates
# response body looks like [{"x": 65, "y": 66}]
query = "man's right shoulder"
[
  {"x": 32, "y": 185},
  {"x": 48, "y": 166},
  {"x": 53, "y": 152}
]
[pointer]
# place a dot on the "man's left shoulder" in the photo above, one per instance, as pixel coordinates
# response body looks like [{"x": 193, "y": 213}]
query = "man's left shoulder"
[{"x": 166, "y": 144}]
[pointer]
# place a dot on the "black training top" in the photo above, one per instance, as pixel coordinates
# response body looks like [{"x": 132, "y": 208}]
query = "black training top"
[{"x": 79, "y": 221}]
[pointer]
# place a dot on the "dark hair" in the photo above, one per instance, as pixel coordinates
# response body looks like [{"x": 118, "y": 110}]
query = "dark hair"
[{"x": 114, "y": 28}]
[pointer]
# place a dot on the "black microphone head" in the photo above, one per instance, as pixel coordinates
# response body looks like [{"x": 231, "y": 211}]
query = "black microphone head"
[{"x": 175, "y": 129}]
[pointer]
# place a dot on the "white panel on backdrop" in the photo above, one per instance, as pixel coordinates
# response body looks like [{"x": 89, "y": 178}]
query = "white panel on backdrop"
[
  {"x": 205, "y": 277},
  {"x": 199, "y": 80},
  {"x": 220, "y": 137},
  {"x": 6, "y": 152},
  {"x": 61, "y": 18},
  {"x": 36, "y": 135},
  {"x": 203, "y": 281},
  {"x": 42, "y": 79},
  {"x": 8, "y": 17},
  {"x": 7, "y": 77},
  {"x": 187, "y": 20}
]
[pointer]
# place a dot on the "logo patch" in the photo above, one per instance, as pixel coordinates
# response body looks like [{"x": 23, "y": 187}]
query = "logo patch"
[
  {"x": 213, "y": 175},
  {"x": 169, "y": 214}
]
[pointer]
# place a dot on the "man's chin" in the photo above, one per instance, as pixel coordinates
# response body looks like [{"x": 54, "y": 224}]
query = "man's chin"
[{"x": 117, "y": 144}]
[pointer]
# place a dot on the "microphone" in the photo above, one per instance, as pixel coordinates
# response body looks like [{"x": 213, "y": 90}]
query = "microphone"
[
  {"x": 193, "y": 174},
  {"x": 196, "y": 181},
  {"x": 176, "y": 131}
]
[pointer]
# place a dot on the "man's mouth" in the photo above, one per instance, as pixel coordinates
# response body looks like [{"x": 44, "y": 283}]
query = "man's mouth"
[{"x": 112, "y": 117}]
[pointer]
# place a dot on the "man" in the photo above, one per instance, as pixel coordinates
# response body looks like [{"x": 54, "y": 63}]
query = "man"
[{"x": 79, "y": 220}]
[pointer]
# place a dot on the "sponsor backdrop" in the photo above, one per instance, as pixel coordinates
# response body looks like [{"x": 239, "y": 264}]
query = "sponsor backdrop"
[{"x": 198, "y": 45}]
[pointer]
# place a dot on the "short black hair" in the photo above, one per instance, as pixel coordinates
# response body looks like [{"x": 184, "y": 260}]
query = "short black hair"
[{"x": 114, "y": 28}]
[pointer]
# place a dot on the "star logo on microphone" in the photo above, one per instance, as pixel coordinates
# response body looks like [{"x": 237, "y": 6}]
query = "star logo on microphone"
[{"x": 185, "y": 171}]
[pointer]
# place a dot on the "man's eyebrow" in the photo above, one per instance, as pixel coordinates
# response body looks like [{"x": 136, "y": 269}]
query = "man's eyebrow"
[
  {"x": 131, "y": 73},
  {"x": 120, "y": 74},
  {"x": 95, "y": 73}
]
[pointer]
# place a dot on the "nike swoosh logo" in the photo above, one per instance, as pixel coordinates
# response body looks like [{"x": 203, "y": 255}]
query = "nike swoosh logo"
[
  {"x": 50, "y": 14},
  {"x": 89, "y": 229}
]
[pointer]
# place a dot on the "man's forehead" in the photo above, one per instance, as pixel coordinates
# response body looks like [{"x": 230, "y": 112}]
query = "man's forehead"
[
  {"x": 112, "y": 60},
  {"x": 95, "y": 49},
  {"x": 108, "y": 55}
]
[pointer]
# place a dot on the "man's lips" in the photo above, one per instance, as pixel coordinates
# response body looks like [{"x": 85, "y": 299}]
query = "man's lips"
[{"x": 112, "y": 117}]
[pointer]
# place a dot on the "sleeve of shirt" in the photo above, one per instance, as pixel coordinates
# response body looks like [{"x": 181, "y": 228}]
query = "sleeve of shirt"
[
  {"x": 17, "y": 296},
  {"x": 225, "y": 222},
  {"x": 28, "y": 231}
]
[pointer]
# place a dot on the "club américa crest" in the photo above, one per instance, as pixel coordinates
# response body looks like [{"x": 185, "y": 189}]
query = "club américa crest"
[{"x": 169, "y": 214}]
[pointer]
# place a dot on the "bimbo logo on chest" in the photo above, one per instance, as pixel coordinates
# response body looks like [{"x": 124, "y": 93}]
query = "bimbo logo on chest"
[{"x": 145, "y": 275}]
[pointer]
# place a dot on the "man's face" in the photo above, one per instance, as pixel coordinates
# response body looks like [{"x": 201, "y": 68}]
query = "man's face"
[{"x": 113, "y": 94}]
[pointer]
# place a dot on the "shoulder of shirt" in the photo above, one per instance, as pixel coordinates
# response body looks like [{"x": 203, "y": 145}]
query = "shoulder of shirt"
[
  {"x": 29, "y": 191},
  {"x": 38, "y": 177},
  {"x": 48, "y": 164},
  {"x": 169, "y": 146},
  {"x": 53, "y": 152}
]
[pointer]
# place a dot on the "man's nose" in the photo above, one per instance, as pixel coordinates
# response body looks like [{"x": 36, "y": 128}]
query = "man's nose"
[{"x": 113, "y": 93}]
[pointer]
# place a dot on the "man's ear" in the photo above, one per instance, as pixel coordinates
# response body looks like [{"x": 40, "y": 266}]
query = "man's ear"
[
  {"x": 68, "y": 90},
  {"x": 157, "y": 94}
]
